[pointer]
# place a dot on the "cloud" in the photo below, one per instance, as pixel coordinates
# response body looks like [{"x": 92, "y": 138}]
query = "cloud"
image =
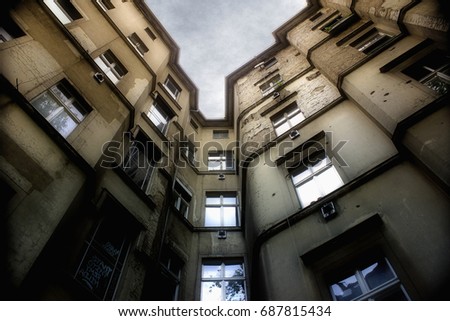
[{"x": 216, "y": 37}]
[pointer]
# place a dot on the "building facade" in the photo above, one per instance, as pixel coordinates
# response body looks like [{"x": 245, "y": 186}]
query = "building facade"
[{"x": 326, "y": 180}]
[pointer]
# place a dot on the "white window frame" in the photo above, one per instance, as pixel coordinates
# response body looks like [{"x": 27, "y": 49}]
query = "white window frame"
[
  {"x": 221, "y": 206},
  {"x": 72, "y": 106},
  {"x": 310, "y": 173},
  {"x": 60, "y": 12},
  {"x": 372, "y": 294},
  {"x": 291, "y": 115},
  {"x": 222, "y": 158},
  {"x": 222, "y": 278},
  {"x": 105, "y": 4},
  {"x": 172, "y": 87},
  {"x": 369, "y": 40},
  {"x": 109, "y": 67},
  {"x": 159, "y": 117}
]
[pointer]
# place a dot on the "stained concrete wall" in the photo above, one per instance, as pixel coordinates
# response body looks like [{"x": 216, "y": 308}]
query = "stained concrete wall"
[{"x": 405, "y": 200}]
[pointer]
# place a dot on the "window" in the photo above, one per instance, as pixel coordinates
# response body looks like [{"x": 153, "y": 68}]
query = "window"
[
  {"x": 370, "y": 41},
  {"x": 287, "y": 119},
  {"x": 137, "y": 43},
  {"x": 221, "y": 209},
  {"x": 150, "y": 33},
  {"x": 271, "y": 85},
  {"x": 194, "y": 124},
  {"x": 160, "y": 115},
  {"x": 220, "y": 134},
  {"x": 105, "y": 4},
  {"x": 182, "y": 198},
  {"x": 432, "y": 70},
  {"x": 219, "y": 161},
  {"x": 105, "y": 252},
  {"x": 373, "y": 281},
  {"x": 172, "y": 87},
  {"x": 315, "y": 178},
  {"x": 140, "y": 161},
  {"x": 223, "y": 280},
  {"x": 169, "y": 281},
  {"x": 9, "y": 29},
  {"x": 338, "y": 24},
  {"x": 62, "y": 107},
  {"x": 111, "y": 66},
  {"x": 188, "y": 149},
  {"x": 64, "y": 10}
]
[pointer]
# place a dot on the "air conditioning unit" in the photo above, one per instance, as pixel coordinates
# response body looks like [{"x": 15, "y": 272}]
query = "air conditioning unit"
[
  {"x": 221, "y": 177},
  {"x": 328, "y": 211},
  {"x": 222, "y": 235},
  {"x": 276, "y": 94},
  {"x": 294, "y": 134},
  {"x": 99, "y": 77}
]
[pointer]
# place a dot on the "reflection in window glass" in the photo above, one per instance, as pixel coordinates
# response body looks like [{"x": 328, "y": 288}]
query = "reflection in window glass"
[
  {"x": 287, "y": 119},
  {"x": 374, "y": 281},
  {"x": 223, "y": 281}
]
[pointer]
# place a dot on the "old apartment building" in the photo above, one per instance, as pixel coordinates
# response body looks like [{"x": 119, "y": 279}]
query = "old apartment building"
[{"x": 328, "y": 178}]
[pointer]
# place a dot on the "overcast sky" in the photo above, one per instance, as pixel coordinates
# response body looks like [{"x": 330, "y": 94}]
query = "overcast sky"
[{"x": 218, "y": 36}]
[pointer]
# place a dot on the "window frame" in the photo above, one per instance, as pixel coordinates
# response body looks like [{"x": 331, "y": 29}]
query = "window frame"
[
  {"x": 182, "y": 197},
  {"x": 160, "y": 107},
  {"x": 285, "y": 116},
  {"x": 113, "y": 69},
  {"x": 167, "y": 260},
  {"x": 442, "y": 71},
  {"x": 129, "y": 162},
  {"x": 367, "y": 293},
  {"x": 221, "y": 134},
  {"x": 138, "y": 44},
  {"x": 222, "y": 205},
  {"x": 105, "y": 4},
  {"x": 76, "y": 101},
  {"x": 222, "y": 278},
  {"x": 10, "y": 29},
  {"x": 308, "y": 166},
  {"x": 224, "y": 158},
  {"x": 66, "y": 12},
  {"x": 172, "y": 87},
  {"x": 270, "y": 85},
  {"x": 370, "y": 41}
]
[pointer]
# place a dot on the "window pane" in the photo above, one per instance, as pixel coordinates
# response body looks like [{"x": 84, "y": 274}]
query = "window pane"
[
  {"x": 234, "y": 270},
  {"x": 211, "y": 271},
  {"x": 211, "y": 200},
  {"x": 227, "y": 200},
  {"x": 45, "y": 104},
  {"x": 329, "y": 180},
  {"x": 234, "y": 291},
  {"x": 308, "y": 192},
  {"x": 211, "y": 291},
  {"x": 301, "y": 175},
  {"x": 282, "y": 129},
  {"x": 229, "y": 218},
  {"x": 212, "y": 216},
  {"x": 63, "y": 123},
  {"x": 346, "y": 289},
  {"x": 378, "y": 274},
  {"x": 297, "y": 119}
]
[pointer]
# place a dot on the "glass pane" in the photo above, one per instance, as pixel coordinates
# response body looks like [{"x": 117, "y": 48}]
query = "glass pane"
[
  {"x": 211, "y": 271},
  {"x": 301, "y": 174},
  {"x": 63, "y": 123},
  {"x": 229, "y": 218},
  {"x": 213, "y": 200},
  {"x": 329, "y": 180},
  {"x": 308, "y": 193},
  {"x": 378, "y": 274},
  {"x": 297, "y": 119},
  {"x": 45, "y": 104},
  {"x": 212, "y": 216},
  {"x": 234, "y": 291},
  {"x": 234, "y": 270},
  {"x": 346, "y": 289},
  {"x": 211, "y": 291},
  {"x": 395, "y": 294},
  {"x": 281, "y": 129},
  {"x": 228, "y": 200}
]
